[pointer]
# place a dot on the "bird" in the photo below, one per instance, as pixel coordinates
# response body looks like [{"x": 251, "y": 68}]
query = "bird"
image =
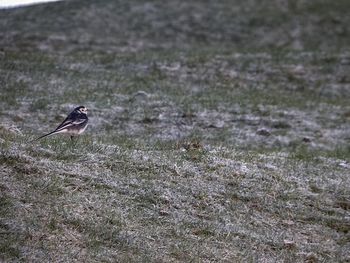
[{"x": 75, "y": 123}]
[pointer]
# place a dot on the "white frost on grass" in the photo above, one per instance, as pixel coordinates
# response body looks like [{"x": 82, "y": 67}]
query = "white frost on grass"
[{"x": 10, "y": 128}]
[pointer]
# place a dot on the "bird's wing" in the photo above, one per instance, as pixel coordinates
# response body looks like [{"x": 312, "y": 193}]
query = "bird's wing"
[
  {"x": 70, "y": 117},
  {"x": 64, "y": 125},
  {"x": 65, "y": 122},
  {"x": 69, "y": 123}
]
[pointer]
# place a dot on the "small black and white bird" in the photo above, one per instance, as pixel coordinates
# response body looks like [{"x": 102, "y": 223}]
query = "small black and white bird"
[{"x": 75, "y": 123}]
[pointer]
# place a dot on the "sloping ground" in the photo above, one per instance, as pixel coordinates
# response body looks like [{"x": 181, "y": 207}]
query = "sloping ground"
[
  {"x": 219, "y": 132},
  {"x": 96, "y": 202},
  {"x": 134, "y": 25}
]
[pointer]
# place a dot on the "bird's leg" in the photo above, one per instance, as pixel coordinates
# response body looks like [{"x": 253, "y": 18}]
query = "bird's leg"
[{"x": 74, "y": 140}]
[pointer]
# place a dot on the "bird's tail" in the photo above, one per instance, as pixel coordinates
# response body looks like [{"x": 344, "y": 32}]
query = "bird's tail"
[{"x": 45, "y": 135}]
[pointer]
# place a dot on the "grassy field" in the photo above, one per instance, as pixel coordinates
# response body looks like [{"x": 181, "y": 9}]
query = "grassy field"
[{"x": 219, "y": 132}]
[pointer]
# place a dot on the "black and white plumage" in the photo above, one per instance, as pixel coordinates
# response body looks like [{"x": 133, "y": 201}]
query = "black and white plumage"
[{"x": 75, "y": 123}]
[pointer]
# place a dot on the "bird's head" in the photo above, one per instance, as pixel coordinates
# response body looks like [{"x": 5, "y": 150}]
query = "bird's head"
[{"x": 81, "y": 109}]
